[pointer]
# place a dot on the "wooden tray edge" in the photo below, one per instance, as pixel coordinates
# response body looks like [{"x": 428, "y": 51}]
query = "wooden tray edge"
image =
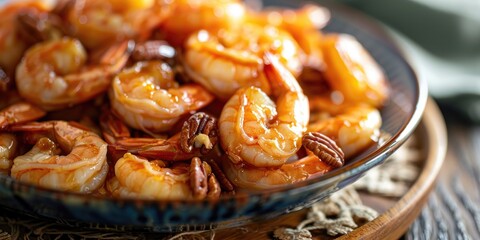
[{"x": 395, "y": 221}]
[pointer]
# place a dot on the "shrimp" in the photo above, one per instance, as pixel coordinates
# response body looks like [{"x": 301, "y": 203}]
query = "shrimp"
[
  {"x": 197, "y": 137},
  {"x": 354, "y": 127},
  {"x": 352, "y": 73},
  {"x": 8, "y": 150},
  {"x": 232, "y": 59},
  {"x": 99, "y": 23},
  {"x": 251, "y": 177},
  {"x": 137, "y": 177},
  {"x": 260, "y": 132},
  {"x": 147, "y": 97},
  {"x": 82, "y": 168},
  {"x": 20, "y": 112},
  {"x": 12, "y": 44},
  {"x": 54, "y": 74},
  {"x": 189, "y": 16},
  {"x": 308, "y": 17},
  {"x": 303, "y": 24}
]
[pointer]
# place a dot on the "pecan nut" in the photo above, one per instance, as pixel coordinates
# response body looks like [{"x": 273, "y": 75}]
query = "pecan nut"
[
  {"x": 199, "y": 131},
  {"x": 38, "y": 27},
  {"x": 198, "y": 179},
  {"x": 63, "y": 7},
  {"x": 325, "y": 148},
  {"x": 5, "y": 81},
  {"x": 153, "y": 50},
  {"x": 220, "y": 176},
  {"x": 214, "y": 189}
]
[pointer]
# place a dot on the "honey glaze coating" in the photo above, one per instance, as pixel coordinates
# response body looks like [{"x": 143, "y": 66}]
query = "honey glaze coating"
[{"x": 180, "y": 100}]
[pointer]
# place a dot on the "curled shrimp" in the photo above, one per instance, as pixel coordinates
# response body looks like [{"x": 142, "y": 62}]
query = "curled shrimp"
[
  {"x": 354, "y": 127},
  {"x": 98, "y": 23},
  {"x": 147, "y": 97},
  {"x": 64, "y": 157},
  {"x": 8, "y": 150},
  {"x": 232, "y": 59},
  {"x": 12, "y": 44},
  {"x": 137, "y": 177},
  {"x": 352, "y": 73},
  {"x": 189, "y": 16},
  {"x": 260, "y": 132},
  {"x": 55, "y": 75}
]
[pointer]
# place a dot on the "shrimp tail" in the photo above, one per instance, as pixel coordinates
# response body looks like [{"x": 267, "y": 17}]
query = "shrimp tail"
[{"x": 18, "y": 113}]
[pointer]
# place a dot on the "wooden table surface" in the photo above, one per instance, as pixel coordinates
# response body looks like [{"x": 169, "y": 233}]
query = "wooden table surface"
[{"x": 453, "y": 210}]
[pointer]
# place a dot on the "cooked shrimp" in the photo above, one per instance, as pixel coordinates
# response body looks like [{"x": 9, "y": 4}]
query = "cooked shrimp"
[
  {"x": 307, "y": 17},
  {"x": 303, "y": 24},
  {"x": 250, "y": 177},
  {"x": 8, "y": 150},
  {"x": 100, "y": 23},
  {"x": 197, "y": 137},
  {"x": 260, "y": 132},
  {"x": 166, "y": 149},
  {"x": 232, "y": 59},
  {"x": 54, "y": 74},
  {"x": 352, "y": 72},
  {"x": 82, "y": 169},
  {"x": 12, "y": 45},
  {"x": 20, "y": 112},
  {"x": 147, "y": 97},
  {"x": 189, "y": 16},
  {"x": 353, "y": 127},
  {"x": 137, "y": 177}
]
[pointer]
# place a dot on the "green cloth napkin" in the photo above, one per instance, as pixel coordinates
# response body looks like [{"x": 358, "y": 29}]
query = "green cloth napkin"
[{"x": 441, "y": 39}]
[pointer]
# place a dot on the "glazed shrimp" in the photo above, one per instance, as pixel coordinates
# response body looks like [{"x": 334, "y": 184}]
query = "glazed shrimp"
[
  {"x": 8, "y": 150},
  {"x": 54, "y": 74},
  {"x": 20, "y": 112},
  {"x": 198, "y": 137},
  {"x": 232, "y": 59},
  {"x": 189, "y": 16},
  {"x": 12, "y": 44},
  {"x": 250, "y": 177},
  {"x": 99, "y": 23},
  {"x": 147, "y": 97},
  {"x": 303, "y": 24},
  {"x": 354, "y": 127},
  {"x": 352, "y": 72},
  {"x": 260, "y": 132},
  {"x": 64, "y": 157},
  {"x": 137, "y": 177}
]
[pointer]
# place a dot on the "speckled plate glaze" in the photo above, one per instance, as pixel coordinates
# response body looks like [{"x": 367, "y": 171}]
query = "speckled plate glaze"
[{"x": 400, "y": 116}]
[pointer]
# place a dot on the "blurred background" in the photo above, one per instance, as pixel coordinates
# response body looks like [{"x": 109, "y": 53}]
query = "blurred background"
[{"x": 441, "y": 39}]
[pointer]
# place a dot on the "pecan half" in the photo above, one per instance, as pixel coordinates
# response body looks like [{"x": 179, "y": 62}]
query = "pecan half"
[
  {"x": 5, "y": 81},
  {"x": 325, "y": 148},
  {"x": 199, "y": 131},
  {"x": 214, "y": 189},
  {"x": 220, "y": 176},
  {"x": 63, "y": 7},
  {"x": 198, "y": 178},
  {"x": 154, "y": 50},
  {"x": 38, "y": 27}
]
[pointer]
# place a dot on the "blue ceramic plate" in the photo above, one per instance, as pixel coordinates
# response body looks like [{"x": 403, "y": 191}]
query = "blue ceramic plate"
[{"x": 400, "y": 116}]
